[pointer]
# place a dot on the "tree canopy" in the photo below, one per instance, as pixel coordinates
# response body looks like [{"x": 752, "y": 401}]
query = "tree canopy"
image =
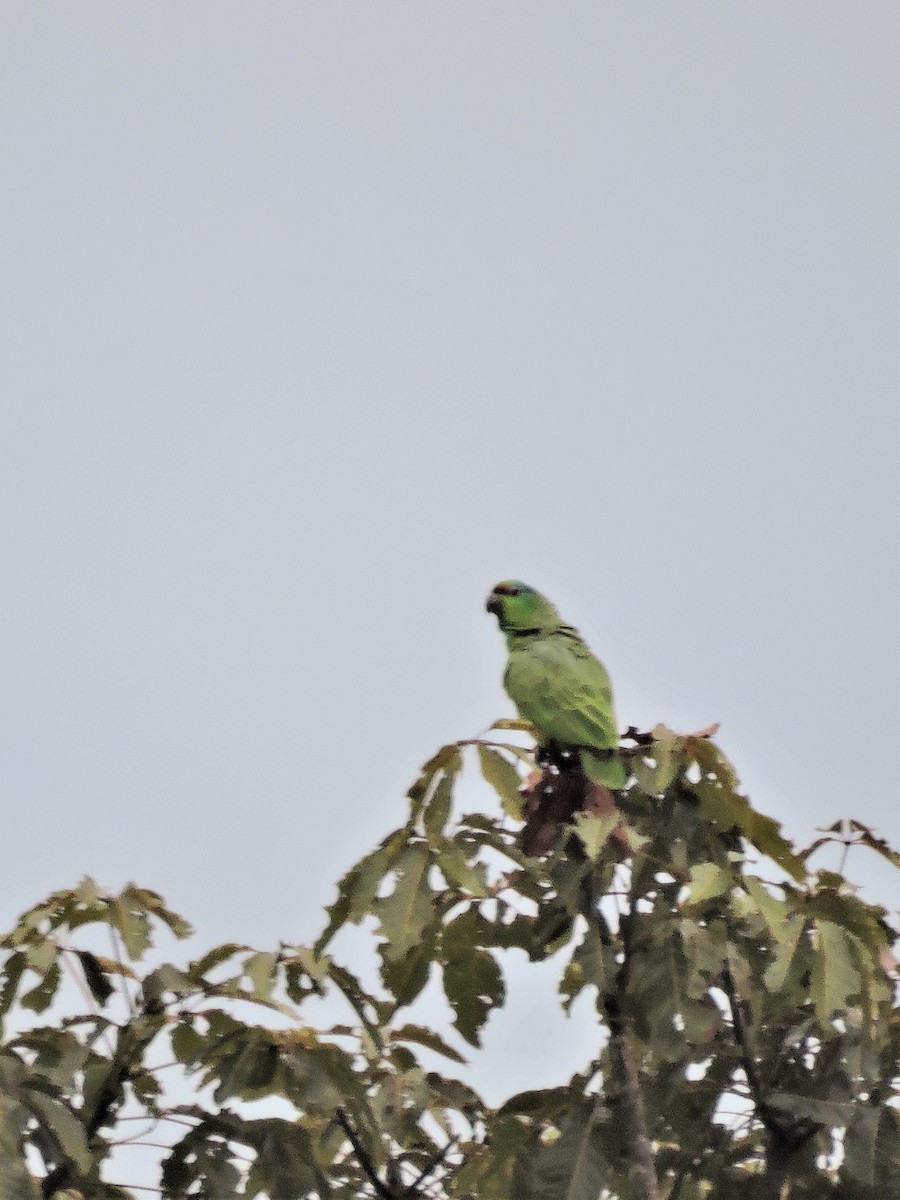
[{"x": 747, "y": 1036}]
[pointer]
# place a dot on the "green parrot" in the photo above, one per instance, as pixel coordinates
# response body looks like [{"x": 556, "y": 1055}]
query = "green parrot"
[{"x": 555, "y": 681}]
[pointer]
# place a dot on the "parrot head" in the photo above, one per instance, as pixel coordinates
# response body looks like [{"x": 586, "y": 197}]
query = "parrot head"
[{"x": 519, "y": 607}]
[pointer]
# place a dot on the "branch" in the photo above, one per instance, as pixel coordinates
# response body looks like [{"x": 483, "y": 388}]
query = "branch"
[
  {"x": 784, "y": 1134},
  {"x": 748, "y": 1058},
  {"x": 362, "y": 1155},
  {"x": 433, "y": 1164},
  {"x": 642, "y": 1166}
]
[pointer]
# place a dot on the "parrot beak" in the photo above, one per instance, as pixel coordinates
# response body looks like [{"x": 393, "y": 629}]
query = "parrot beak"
[{"x": 494, "y": 604}]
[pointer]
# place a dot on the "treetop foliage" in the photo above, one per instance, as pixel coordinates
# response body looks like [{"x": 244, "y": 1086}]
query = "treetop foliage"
[{"x": 748, "y": 1033}]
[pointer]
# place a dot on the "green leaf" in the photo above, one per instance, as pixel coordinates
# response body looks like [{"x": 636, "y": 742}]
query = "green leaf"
[
  {"x": 470, "y": 877},
  {"x": 420, "y": 1035},
  {"x": 473, "y": 984},
  {"x": 285, "y": 1166},
  {"x": 594, "y": 832},
  {"x": 503, "y": 777},
  {"x": 834, "y": 976},
  {"x": 16, "y": 1182},
  {"x": 437, "y": 812},
  {"x": 100, "y": 987},
  {"x": 515, "y": 723},
  {"x": 788, "y": 938},
  {"x": 571, "y": 1166},
  {"x": 872, "y": 1147},
  {"x": 167, "y": 979},
  {"x": 405, "y": 913},
  {"x": 213, "y": 958},
  {"x": 187, "y": 1043},
  {"x": 706, "y": 881},
  {"x": 729, "y": 810},
  {"x": 410, "y": 907},
  {"x": 405, "y": 977},
  {"x": 12, "y": 973},
  {"x": 152, "y": 902},
  {"x": 41, "y": 997},
  {"x": 40, "y": 955},
  {"x": 134, "y": 927},
  {"x": 775, "y": 912},
  {"x": 67, "y": 1130},
  {"x": 657, "y": 766},
  {"x": 249, "y": 1072},
  {"x": 359, "y": 887},
  {"x": 867, "y": 837},
  {"x": 260, "y": 970},
  {"x": 448, "y": 757},
  {"x": 592, "y": 963}
]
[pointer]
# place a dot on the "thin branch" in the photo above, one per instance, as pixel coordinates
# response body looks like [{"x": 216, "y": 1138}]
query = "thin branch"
[
  {"x": 119, "y": 956},
  {"x": 626, "y": 1074},
  {"x": 748, "y": 1059},
  {"x": 85, "y": 991},
  {"x": 363, "y": 1156},
  {"x": 136, "y": 1187},
  {"x": 435, "y": 1162}
]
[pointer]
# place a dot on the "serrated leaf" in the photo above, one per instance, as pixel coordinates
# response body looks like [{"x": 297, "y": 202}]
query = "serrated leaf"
[
  {"x": 473, "y": 984},
  {"x": 868, "y": 837},
  {"x": 12, "y": 973},
  {"x": 774, "y": 911},
  {"x": 594, "y": 831},
  {"x": 40, "y": 955},
  {"x": 260, "y": 970},
  {"x": 592, "y": 963},
  {"x": 437, "y": 810},
  {"x": 39, "y": 998},
  {"x": 420, "y": 1035},
  {"x": 872, "y": 1147},
  {"x": 167, "y": 978},
  {"x": 787, "y": 940},
  {"x": 213, "y": 958},
  {"x": 410, "y": 907},
  {"x": 67, "y": 1130},
  {"x": 829, "y": 1113},
  {"x": 706, "y": 881},
  {"x": 503, "y": 777},
  {"x": 545, "y": 1103},
  {"x": 152, "y": 902},
  {"x": 572, "y": 1166},
  {"x": 405, "y": 977},
  {"x": 16, "y": 1182},
  {"x": 359, "y": 887},
  {"x": 249, "y": 1072},
  {"x": 729, "y": 810},
  {"x": 470, "y": 877},
  {"x": 187, "y": 1043},
  {"x": 443, "y": 759},
  {"x": 657, "y": 766},
  {"x": 134, "y": 927},
  {"x": 834, "y": 976}
]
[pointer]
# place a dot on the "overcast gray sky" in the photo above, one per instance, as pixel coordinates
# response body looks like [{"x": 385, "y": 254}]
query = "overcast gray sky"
[{"x": 321, "y": 318}]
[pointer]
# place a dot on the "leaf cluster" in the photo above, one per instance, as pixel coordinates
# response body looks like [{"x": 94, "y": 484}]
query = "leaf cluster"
[{"x": 747, "y": 1028}]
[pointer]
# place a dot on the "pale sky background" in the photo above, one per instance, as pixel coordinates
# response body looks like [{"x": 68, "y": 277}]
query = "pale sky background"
[{"x": 321, "y": 318}]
